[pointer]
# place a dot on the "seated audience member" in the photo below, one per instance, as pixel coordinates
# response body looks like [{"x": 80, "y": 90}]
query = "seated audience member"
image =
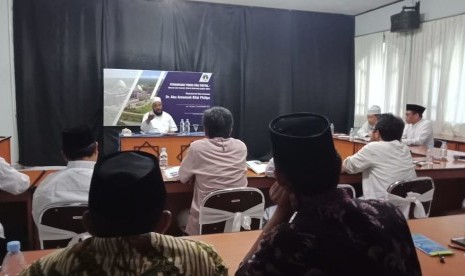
[
  {"x": 372, "y": 117},
  {"x": 13, "y": 182},
  {"x": 383, "y": 161},
  {"x": 418, "y": 131},
  {"x": 157, "y": 120},
  {"x": 126, "y": 217},
  {"x": 331, "y": 234},
  {"x": 214, "y": 163},
  {"x": 80, "y": 150}
]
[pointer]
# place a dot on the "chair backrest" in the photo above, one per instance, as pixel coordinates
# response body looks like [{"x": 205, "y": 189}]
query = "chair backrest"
[
  {"x": 437, "y": 143},
  {"x": 415, "y": 191},
  {"x": 232, "y": 210},
  {"x": 60, "y": 223},
  {"x": 349, "y": 189}
]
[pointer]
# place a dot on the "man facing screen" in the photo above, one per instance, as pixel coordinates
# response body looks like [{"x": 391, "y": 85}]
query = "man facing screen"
[
  {"x": 214, "y": 163},
  {"x": 157, "y": 120},
  {"x": 383, "y": 161}
]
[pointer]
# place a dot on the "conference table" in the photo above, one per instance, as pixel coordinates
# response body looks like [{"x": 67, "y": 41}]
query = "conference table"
[
  {"x": 176, "y": 144},
  {"x": 346, "y": 146},
  {"x": 449, "y": 177},
  {"x": 5, "y": 148},
  {"x": 453, "y": 142},
  {"x": 232, "y": 247}
]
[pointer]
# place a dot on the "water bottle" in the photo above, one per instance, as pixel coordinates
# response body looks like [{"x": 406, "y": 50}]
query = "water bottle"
[
  {"x": 332, "y": 128},
  {"x": 429, "y": 155},
  {"x": 163, "y": 159},
  {"x": 14, "y": 261},
  {"x": 187, "y": 127},
  {"x": 444, "y": 150},
  {"x": 181, "y": 126},
  {"x": 352, "y": 134}
]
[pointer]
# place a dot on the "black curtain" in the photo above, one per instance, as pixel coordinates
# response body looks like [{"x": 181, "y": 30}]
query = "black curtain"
[{"x": 266, "y": 62}]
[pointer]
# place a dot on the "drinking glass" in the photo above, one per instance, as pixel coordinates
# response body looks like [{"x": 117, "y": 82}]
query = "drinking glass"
[{"x": 196, "y": 127}]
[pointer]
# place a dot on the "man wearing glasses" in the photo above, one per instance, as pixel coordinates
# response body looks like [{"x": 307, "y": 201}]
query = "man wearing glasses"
[
  {"x": 417, "y": 131},
  {"x": 383, "y": 161}
]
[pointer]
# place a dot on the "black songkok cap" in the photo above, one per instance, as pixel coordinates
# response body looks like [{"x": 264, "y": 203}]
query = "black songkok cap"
[
  {"x": 77, "y": 138},
  {"x": 302, "y": 142},
  {"x": 416, "y": 108},
  {"x": 127, "y": 194}
]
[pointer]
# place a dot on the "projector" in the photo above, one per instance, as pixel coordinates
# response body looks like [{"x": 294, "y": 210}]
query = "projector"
[{"x": 408, "y": 19}]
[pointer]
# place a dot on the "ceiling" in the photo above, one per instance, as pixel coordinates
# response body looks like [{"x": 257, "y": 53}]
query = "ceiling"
[{"x": 349, "y": 7}]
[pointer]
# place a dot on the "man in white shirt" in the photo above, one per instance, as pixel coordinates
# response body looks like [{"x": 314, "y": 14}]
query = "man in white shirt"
[
  {"x": 418, "y": 131},
  {"x": 214, "y": 163},
  {"x": 11, "y": 180},
  {"x": 72, "y": 184},
  {"x": 157, "y": 120},
  {"x": 372, "y": 117},
  {"x": 384, "y": 161}
]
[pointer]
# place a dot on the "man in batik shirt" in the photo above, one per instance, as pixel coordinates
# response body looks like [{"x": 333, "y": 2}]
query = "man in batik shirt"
[
  {"x": 126, "y": 216},
  {"x": 330, "y": 234}
]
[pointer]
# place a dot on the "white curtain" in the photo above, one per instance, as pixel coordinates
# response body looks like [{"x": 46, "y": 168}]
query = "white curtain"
[{"x": 425, "y": 67}]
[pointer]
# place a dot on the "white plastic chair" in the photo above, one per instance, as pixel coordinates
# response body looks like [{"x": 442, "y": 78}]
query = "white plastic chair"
[
  {"x": 231, "y": 210},
  {"x": 348, "y": 188},
  {"x": 61, "y": 225},
  {"x": 417, "y": 193}
]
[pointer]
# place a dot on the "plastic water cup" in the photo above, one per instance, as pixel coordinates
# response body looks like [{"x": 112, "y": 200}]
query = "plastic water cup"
[
  {"x": 429, "y": 155},
  {"x": 196, "y": 127}
]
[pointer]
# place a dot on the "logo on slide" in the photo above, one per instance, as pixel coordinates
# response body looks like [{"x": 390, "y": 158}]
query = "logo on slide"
[{"x": 205, "y": 77}]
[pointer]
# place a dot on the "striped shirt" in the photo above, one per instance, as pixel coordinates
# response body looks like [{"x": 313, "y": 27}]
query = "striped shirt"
[{"x": 147, "y": 254}]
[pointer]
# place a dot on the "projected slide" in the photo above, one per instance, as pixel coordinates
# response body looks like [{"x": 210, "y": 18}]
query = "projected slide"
[{"x": 128, "y": 95}]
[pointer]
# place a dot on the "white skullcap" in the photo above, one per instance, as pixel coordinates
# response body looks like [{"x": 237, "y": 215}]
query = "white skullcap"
[
  {"x": 156, "y": 99},
  {"x": 374, "y": 110}
]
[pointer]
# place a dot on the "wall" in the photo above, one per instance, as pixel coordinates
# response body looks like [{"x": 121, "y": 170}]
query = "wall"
[
  {"x": 7, "y": 81},
  {"x": 371, "y": 22},
  {"x": 380, "y": 20}
]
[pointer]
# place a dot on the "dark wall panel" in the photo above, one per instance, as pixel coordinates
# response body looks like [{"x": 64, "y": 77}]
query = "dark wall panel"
[{"x": 265, "y": 62}]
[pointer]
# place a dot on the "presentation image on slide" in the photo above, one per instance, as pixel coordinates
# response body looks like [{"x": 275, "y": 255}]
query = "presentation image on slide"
[{"x": 128, "y": 94}]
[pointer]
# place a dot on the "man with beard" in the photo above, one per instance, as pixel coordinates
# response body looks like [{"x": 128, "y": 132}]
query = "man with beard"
[
  {"x": 157, "y": 120},
  {"x": 367, "y": 127}
]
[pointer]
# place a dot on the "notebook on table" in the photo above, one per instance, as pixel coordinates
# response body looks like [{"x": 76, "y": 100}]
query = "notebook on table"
[{"x": 256, "y": 166}]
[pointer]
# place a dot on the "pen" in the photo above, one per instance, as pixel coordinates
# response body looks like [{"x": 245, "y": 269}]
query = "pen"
[{"x": 442, "y": 259}]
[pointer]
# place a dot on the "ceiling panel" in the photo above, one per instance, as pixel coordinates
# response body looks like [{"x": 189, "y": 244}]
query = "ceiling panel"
[{"x": 349, "y": 7}]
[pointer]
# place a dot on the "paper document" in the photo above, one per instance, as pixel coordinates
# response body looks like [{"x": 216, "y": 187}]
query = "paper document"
[
  {"x": 257, "y": 166},
  {"x": 172, "y": 172}
]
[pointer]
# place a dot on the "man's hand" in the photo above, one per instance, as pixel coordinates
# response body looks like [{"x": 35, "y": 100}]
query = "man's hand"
[
  {"x": 283, "y": 197},
  {"x": 191, "y": 181},
  {"x": 286, "y": 203},
  {"x": 150, "y": 117}
]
